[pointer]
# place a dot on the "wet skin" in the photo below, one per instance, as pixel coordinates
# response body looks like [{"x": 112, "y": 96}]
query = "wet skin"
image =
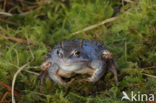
[{"x": 79, "y": 56}]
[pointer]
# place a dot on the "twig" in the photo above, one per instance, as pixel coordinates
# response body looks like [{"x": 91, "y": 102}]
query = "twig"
[
  {"x": 41, "y": 94},
  {"x": 9, "y": 22},
  {"x": 32, "y": 72},
  {"x": 8, "y": 88},
  {"x": 9, "y": 101},
  {"x": 27, "y": 2},
  {"x": 135, "y": 85},
  {"x": 101, "y": 23},
  {"x": 4, "y": 4},
  {"x": 14, "y": 79},
  {"x": 16, "y": 39},
  {"x": 96, "y": 25},
  {"x": 5, "y": 13},
  {"x": 129, "y": 1},
  {"x": 145, "y": 68},
  {"x": 8, "y": 92},
  {"x": 4, "y": 96},
  {"x": 18, "y": 71},
  {"x": 149, "y": 67},
  {"x": 9, "y": 14},
  {"x": 149, "y": 75}
]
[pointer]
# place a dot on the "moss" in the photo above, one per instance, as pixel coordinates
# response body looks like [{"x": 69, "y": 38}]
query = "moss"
[{"x": 131, "y": 39}]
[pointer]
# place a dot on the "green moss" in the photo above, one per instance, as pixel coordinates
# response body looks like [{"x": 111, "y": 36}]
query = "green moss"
[{"x": 131, "y": 39}]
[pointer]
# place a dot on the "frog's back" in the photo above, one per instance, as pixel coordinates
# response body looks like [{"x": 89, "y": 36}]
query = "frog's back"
[{"x": 93, "y": 48}]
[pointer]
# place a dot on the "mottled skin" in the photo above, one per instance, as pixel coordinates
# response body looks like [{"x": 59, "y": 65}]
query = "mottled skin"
[{"x": 79, "y": 56}]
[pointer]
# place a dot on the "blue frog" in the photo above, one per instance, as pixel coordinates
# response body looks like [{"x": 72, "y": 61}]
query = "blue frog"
[{"x": 79, "y": 56}]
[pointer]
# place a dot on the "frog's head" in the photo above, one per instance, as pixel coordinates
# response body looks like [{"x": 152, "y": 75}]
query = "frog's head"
[
  {"x": 71, "y": 56},
  {"x": 68, "y": 55}
]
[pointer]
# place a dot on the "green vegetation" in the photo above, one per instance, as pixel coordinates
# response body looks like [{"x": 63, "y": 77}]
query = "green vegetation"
[{"x": 132, "y": 39}]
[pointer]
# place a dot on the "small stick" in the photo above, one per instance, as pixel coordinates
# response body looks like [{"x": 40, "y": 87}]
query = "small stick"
[
  {"x": 9, "y": 101},
  {"x": 149, "y": 67},
  {"x": 15, "y": 39},
  {"x": 9, "y": 22},
  {"x": 96, "y": 25},
  {"x": 4, "y": 96},
  {"x": 8, "y": 88},
  {"x": 145, "y": 68},
  {"x": 14, "y": 79},
  {"x": 4, "y": 4},
  {"x": 32, "y": 72},
  {"x": 18, "y": 71},
  {"x": 101, "y": 23},
  {"x": 5, "y": 13},
  {"x": 129, "y": 1},
  {"x": 41, "y": 94},
  {"x": 149, "y": 75}
]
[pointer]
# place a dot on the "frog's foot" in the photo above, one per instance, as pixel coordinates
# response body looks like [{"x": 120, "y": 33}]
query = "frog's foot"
[
  {"x": 84, "y": 80},
  {"x": 99, "y": 70},
  {"x": 42, "y": 77},
  {"x": 111, "y": 65},
  {"x": 53, "y": 74}
]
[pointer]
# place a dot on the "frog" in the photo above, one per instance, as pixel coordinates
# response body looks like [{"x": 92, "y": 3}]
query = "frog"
[{"x": 78, "y": 56}]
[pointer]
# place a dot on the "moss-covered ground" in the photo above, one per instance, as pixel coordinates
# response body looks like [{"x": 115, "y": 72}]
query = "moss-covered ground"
[{"x": 38, "y": 25}]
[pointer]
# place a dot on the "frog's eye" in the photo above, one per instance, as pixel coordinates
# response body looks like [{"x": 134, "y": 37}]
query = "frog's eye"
[
  {"x": 76, "y": 53},
  {"x": 59, "y": 53}
]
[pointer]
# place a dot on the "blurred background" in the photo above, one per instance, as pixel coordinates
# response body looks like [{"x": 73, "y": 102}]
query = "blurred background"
[{"x": 128, "y": 29}]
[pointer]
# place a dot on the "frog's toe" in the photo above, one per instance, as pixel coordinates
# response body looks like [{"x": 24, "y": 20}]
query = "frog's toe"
[
  {"x": 87, "y": 80},
  {"x": 92, "y": 80},
  {"x": 83, "y": 80}
]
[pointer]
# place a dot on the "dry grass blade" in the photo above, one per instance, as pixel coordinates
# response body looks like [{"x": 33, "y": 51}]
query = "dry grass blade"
[
  {"x": 14, "y": 79},
  {"x": 145, "y": 68},
  {"x": 34, "y": 73},
  {"x": 149, "y": 67},
  {"x": 96, "y": 25},
  {"x": 152, "y": 76},
  {"x": 129, "y": 1},
  {"x": 8, "y": 88},
  {"x": 16, "y": 39},
  {"x": 8, "y": 91},
  {"x": 18, "y": 71},
  {"x": 41, "y": 94},
  {"x": 9, "y": 22},
  {"x": 5, "y": 13},
  {"x": 4, "y": 96}
]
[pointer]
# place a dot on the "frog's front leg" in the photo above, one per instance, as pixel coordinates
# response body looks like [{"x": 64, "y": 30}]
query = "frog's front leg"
[
  {"x": 107, "y": 56},
  {"x": 99, "y": 69},
  {"x": 53, "y": 73}
]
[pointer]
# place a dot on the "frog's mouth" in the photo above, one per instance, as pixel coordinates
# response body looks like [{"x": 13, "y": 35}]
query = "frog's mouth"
[
  {"x": 77, "y": 61},
  {"x": 73, "y": 65},
  {"x": 72, "y": 62}
]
